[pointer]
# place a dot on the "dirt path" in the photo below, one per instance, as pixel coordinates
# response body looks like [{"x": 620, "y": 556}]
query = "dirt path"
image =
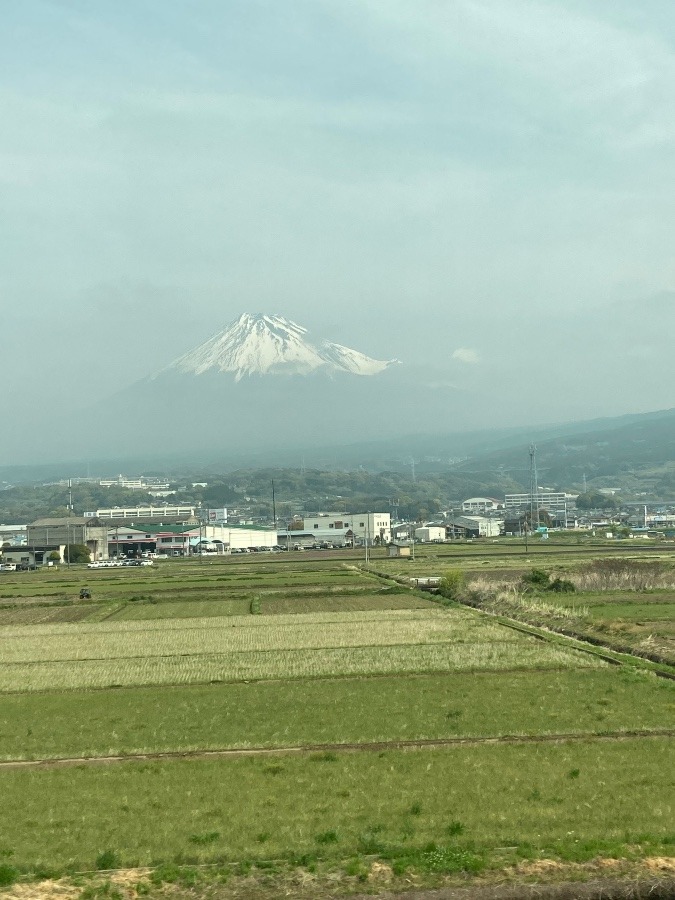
[
  {"x": 609, "y": 889},
  {"x": 648, "y": 879},
  {"x": 374, "y": 746}
]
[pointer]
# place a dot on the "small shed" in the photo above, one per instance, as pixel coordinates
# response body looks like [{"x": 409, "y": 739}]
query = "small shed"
[{"x": 399, "y": 550}]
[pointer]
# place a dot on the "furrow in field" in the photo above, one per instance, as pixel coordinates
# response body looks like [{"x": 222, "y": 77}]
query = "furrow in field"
[{"x": 369, "y": 747}]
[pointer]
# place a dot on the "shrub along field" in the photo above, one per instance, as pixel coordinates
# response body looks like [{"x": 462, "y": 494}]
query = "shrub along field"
[
  {"x": 344, "y": 678},
  {"x": 627, "y": 606}
]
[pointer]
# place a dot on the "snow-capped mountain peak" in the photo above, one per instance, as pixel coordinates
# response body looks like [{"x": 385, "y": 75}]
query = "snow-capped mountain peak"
[{"x": 267, "y": 345}]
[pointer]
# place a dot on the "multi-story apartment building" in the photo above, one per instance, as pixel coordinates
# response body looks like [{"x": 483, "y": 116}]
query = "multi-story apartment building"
[{"x": 552, "y": 501}]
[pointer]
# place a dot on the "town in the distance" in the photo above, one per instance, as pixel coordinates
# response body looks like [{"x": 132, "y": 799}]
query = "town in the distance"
[{"x": 174, "y": 519}]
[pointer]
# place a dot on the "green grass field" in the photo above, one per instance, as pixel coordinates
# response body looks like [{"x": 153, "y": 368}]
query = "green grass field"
[
  {"x": 572, "y": 800},
  {"x": 332, "y": 711},
  {"x": 571, "y": 757}
]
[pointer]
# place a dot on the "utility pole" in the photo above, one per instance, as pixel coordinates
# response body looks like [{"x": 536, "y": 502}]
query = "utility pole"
[
  {"x": 365, "y": 536},
  {"x": 534, "y": 489},
  {"x": 70, "y": 512},
  {"x": 274, "y": 507}
]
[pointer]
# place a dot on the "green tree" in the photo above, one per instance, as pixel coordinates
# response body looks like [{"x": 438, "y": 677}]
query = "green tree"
[
  {"x": 596, "y": 500},
  {"x": 77, "y": 553},
  {"x": 452, "y": 584}
]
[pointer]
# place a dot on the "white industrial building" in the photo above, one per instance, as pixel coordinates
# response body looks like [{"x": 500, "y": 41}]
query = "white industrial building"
[
  {"x": 238, "y": 536},
  {"x": 316, "y": 538},
  {"x": 481, "y": 505},
  {"x": 430, "y": 533},
  {"x": 154, "y": 513},
  {"x": 134, "y": 484},
  {"x": 474, "y": 526},
  {"x": 553, "y": 501},
  {"x": 371, "y": 527}
]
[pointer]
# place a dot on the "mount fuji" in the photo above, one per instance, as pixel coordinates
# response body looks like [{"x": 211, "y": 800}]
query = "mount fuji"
[
  {"x": 271, "y": 345},
  {"x": 263, "y": 385}
]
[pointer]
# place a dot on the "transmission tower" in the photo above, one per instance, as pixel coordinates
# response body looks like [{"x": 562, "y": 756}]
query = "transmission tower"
[{"x": 534, "y": 489}]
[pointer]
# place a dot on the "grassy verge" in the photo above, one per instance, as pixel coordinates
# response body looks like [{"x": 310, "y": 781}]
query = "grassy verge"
[{"x": 650, "y": 639}]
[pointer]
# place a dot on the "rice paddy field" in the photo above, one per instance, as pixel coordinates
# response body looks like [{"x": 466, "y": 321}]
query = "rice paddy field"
[{"x": 285, "y": 713}]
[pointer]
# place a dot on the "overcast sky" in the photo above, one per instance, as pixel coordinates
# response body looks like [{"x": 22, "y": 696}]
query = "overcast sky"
[{"x": 486, "y": 185}]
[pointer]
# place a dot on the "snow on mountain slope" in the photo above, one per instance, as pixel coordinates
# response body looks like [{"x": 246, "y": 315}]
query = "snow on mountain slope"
[
  {"x": 268, "y": 345},
  {"x": 351, "y": 360}
]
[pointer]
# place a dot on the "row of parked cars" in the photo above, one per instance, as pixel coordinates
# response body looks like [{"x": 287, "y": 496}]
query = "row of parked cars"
[
  {"x": 256, "y": 549},
  {"x": 116, "y": 563}
]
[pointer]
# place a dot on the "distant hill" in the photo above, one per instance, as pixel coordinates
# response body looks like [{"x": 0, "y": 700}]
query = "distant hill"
[
  {"x": 264, "y": 392},
  {"x": 634, "y": 453}
]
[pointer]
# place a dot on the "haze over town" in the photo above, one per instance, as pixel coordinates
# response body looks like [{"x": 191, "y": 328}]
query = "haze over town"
[{"x": 481, "y": 189}]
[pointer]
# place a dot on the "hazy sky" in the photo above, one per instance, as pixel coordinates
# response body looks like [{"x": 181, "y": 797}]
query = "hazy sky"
[{"x": 483, "y": 185}]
